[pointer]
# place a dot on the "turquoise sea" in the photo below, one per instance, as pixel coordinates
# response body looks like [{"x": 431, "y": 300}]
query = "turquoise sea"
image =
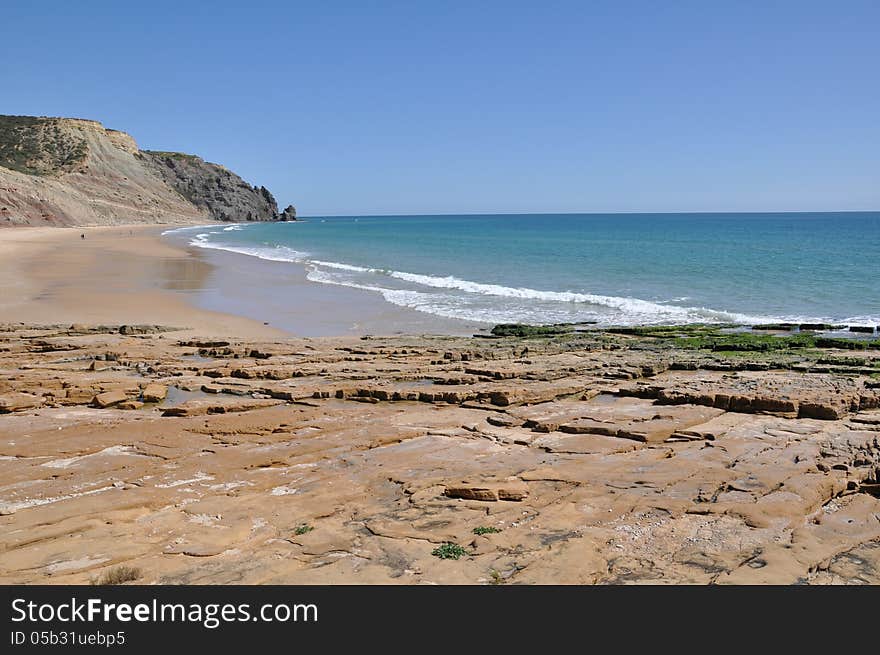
[{"x": 616, "y": 269}]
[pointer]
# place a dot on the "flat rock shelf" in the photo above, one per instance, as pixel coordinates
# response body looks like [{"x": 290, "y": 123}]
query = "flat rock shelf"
[{"x": 584, "y": 457}]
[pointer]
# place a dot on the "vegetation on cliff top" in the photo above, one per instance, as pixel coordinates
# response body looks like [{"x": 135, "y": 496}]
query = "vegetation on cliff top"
[
  {"x": 171, "y": 155},
  {"x": 38, "y": 146}
]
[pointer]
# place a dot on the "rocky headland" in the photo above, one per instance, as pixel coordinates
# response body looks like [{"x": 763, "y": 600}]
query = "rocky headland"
[
  {"x": 677, "y": 455},
  {"x": 66, "y": 171}
]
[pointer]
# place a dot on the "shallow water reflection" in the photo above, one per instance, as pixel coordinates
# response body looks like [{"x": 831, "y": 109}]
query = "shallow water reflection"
[{"x": 183, "y": 274}]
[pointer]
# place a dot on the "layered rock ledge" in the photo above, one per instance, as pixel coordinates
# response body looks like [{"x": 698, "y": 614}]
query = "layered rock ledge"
[{"x": 582, "y": 457}]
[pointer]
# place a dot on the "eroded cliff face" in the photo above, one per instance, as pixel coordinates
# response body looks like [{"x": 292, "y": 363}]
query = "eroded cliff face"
[
  {"x": 64, "y": 171},
  {"x": 211, "y": 187}
]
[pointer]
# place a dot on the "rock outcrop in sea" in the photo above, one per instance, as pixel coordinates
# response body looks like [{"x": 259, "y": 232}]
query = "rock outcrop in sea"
[
  {"x": 67, "y": 171},
  {"x": 289, "y": 214}
]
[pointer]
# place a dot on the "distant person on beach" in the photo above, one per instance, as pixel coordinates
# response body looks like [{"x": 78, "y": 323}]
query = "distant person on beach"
[{"x": 82, "y": 236}]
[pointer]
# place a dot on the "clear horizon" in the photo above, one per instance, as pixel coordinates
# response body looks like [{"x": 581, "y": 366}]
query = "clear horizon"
[
  {"x": 589, "y": 213},
  {"x": 504, "y": 108}
]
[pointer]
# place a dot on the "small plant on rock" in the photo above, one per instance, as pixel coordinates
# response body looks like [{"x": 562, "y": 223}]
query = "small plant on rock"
[
  {"x": 117, "y": 575},
  {"x": 483, "y": 529},
  {"x": 449, "y": 551}
]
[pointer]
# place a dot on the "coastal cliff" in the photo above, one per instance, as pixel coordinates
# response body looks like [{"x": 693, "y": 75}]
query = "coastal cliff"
[{"x": 67, "y": 171}]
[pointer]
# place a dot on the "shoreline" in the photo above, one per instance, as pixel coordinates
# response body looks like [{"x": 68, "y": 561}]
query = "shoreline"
[
  {"x": 280, "y": 292},
  {"x": 115, "y": 275},
  {"x": 134, "y": 274}
]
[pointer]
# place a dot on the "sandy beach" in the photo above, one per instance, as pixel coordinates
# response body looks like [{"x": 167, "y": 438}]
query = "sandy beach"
[{"x": 120, "y": 275}]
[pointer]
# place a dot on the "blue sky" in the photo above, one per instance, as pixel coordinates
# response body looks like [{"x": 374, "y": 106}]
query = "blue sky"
[{"x": 458, "y": 107}]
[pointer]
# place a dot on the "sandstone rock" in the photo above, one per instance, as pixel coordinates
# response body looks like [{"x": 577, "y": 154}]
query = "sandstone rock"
[
  {"x": 202, "y": 407},
  {"x": 155, "y": 393},
  {"x": 193, "y": 549},
  {"x": 584, "y": 444},
  {"x": 489, "y": 491},
  {"x": 705, "y": 495},
  {"x": 142, "y": 329},
  {"x": 78, "y": 395},
  {"x": 828, "y": 412},
  {"x": 109, "y": 398},
  {"x": 14, "y": 402},
  {"x": 712, "y": 429},
  {"x": 576, "y": 561},
  {"x": 589, "y": 426},
  {"x": 319, "y": 542},
  {"x": 482, "y": 545},
  {"x": 502, "y": 420}
]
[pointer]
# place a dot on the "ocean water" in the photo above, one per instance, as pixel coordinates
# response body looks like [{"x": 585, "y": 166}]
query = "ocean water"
[{"x": 615, "y": 269}]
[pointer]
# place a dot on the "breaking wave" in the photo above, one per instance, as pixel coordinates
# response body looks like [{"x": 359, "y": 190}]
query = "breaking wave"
[{"x": 453, "y": 297}]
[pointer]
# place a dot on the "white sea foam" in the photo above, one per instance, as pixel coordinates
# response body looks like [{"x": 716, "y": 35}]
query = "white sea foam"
[
  {"x": 188, "y": 228},
  {"x": 631, "y": 307},
  {"x": 429, "y": 303},
  {"x": 523, "y": 293},
  {"x": 269, "y": 253},
  {"x": 495, "y": 303},
  {"x": 541, "y": 310},
  {"x": 346, "y": 267}
]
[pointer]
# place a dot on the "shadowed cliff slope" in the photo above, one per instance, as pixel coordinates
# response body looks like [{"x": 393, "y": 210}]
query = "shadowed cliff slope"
[
  {"x": 66, "y": 171},
  {"x": 212, "y": 187}
]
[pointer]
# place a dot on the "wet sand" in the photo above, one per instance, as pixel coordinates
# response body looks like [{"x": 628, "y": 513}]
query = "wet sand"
[
  {"x": 133, "y": 275},
  {"x": 118, "y": 275},
  {"x": 280, "y": 293}
]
